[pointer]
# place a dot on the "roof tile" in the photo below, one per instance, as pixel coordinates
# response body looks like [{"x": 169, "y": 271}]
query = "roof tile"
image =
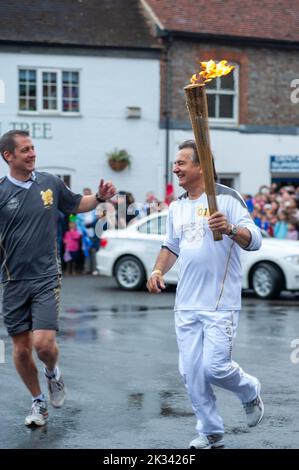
[
  {"x": 264, "y": 19},
  {"x": 116, "y": 23}
]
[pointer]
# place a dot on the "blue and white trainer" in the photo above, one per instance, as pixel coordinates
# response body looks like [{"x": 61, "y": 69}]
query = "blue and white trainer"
[
  {"x": 254, "y": 409},
  {"x": 57, "y": 390},
  {"x": 38, "y": 415}
]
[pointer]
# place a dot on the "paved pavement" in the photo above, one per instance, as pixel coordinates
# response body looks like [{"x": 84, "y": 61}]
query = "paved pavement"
[{"x": 119, "y": 359}]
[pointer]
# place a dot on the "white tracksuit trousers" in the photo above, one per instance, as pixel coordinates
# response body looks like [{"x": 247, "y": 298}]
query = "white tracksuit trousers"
[{"x": 205, "y": 341}]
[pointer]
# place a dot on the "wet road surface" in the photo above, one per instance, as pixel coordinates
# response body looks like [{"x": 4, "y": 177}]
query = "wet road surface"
[{"x": 119, "y": 361}]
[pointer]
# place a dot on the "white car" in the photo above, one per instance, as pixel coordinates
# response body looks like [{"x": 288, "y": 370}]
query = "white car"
[{"x": 129, "y": 256}]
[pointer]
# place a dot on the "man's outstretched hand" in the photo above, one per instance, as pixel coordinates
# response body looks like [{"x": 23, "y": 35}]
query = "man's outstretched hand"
[{"x": 106, "y": 190}]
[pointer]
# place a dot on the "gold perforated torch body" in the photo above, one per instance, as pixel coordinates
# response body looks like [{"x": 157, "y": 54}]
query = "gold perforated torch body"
[{"x": 197, "y": 105}]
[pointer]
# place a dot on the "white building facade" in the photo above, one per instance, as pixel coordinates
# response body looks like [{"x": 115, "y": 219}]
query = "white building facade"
[{"x": 78, "y": 108}]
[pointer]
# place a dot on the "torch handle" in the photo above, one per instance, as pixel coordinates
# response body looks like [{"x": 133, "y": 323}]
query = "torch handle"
[{"x": 217, "y": 236}]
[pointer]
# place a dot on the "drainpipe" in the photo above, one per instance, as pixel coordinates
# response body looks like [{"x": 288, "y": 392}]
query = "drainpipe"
[{"x": 167, "y": 41}]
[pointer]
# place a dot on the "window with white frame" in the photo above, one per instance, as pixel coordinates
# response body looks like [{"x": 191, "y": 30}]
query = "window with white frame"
[
  {"x": 49, "y": 91},
  {"x": 222, "y": 94},
  {"x": 27, "y": 90}
]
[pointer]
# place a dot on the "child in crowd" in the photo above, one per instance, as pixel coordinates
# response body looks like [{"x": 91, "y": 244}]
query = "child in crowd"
[
  {"x": 72, "y": 241},
  {"x": 292, "y": 233},
  {"x": 281, "y": 226}
]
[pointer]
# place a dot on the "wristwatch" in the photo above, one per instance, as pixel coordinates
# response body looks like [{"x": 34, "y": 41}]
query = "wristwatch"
[
  {"x": 233, "y": 231},
  {"x": 99, "y": 198}
]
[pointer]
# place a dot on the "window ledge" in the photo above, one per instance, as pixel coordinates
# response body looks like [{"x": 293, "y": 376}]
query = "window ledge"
[
  {"x": 222, "y": 123},
  {"x": 48, "y": 115}
]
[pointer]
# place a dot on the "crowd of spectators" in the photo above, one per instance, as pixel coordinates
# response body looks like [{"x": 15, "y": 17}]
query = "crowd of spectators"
[
  {"x": 78, "y": 239},
  {"x": 276, "y": 210}
]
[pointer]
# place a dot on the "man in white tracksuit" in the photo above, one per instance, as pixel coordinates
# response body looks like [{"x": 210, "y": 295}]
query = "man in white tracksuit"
[{"x": 208, "y": 298}]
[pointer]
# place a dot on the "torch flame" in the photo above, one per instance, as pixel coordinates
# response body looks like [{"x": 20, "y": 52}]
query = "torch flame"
[{"x": 211, "y": 70}]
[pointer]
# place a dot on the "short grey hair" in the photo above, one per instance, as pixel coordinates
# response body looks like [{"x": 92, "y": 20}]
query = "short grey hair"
[{"x": 190, "y": 144}]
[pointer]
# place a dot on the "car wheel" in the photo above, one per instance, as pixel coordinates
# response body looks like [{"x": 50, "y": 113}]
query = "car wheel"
[
  {"x": 129, "y": 273},
  {"x": 267, "y": 281}
]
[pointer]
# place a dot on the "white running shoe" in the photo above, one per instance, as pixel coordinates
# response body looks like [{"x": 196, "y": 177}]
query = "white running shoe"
[
  {"x": 216, "y": 440},
  {"x": 200, "y": 442},
  {"x": 38, "y": 415},
  {"x": 211, "y": 441},
  {"x": 254, "y": 409},
  {"x": 57, "y": 391}
]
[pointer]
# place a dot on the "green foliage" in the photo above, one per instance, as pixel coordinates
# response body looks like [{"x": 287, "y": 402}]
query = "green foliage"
[{"x": 119, "y": 156}]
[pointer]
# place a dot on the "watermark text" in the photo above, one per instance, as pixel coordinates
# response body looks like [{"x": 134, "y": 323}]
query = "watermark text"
[
  {"x": 295, "y": 93},
  {"x": 294, "y": 357},
  {"x": 2, "y": 92},
  {"x": 2, "y": 352}
]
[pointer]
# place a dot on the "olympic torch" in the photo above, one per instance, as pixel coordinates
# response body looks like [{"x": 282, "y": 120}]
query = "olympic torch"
[{"x": 197, "y": 105}]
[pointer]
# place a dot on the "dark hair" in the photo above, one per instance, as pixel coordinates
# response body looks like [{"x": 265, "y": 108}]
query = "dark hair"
[
  {"x": 128, "y": 196},
  {"x": 8, "y": 143},
  {"x": 190, "y": 144}
]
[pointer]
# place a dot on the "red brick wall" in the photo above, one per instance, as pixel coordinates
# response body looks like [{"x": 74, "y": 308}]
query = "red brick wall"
[{"x": 264, "y": 81}]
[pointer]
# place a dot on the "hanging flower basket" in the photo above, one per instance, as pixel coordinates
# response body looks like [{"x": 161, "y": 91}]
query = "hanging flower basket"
[
  {"x": 117, "y": 165},
  {"x": 119, "y": 159}
]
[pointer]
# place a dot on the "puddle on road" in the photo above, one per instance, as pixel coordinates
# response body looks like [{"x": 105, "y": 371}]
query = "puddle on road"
[
  {"x": 168, "y": 406},
  {"x": 83, "y": 309},
  {"x": 167, "y": 403},
  {"x": 135, "y": 400},
  {"x": 74, "y": 327},
  {"x": 114, "y": 309},
  {"x": 279, "y": 311},
  {"x": 77, "y": 320},
  {"x": 275, "y": 330},
  {"x": 79, "y": 334},
  {"x": 74, "y": 320},
  {"x": 169, "y": 411},
  {"x": 129, "y": 308},
  {"x": 274, "y": 311},
  {"x": 237, "y": 430}
]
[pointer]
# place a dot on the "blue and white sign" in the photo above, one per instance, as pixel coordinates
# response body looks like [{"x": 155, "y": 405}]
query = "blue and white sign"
[{"x": 284, "y": 163}]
